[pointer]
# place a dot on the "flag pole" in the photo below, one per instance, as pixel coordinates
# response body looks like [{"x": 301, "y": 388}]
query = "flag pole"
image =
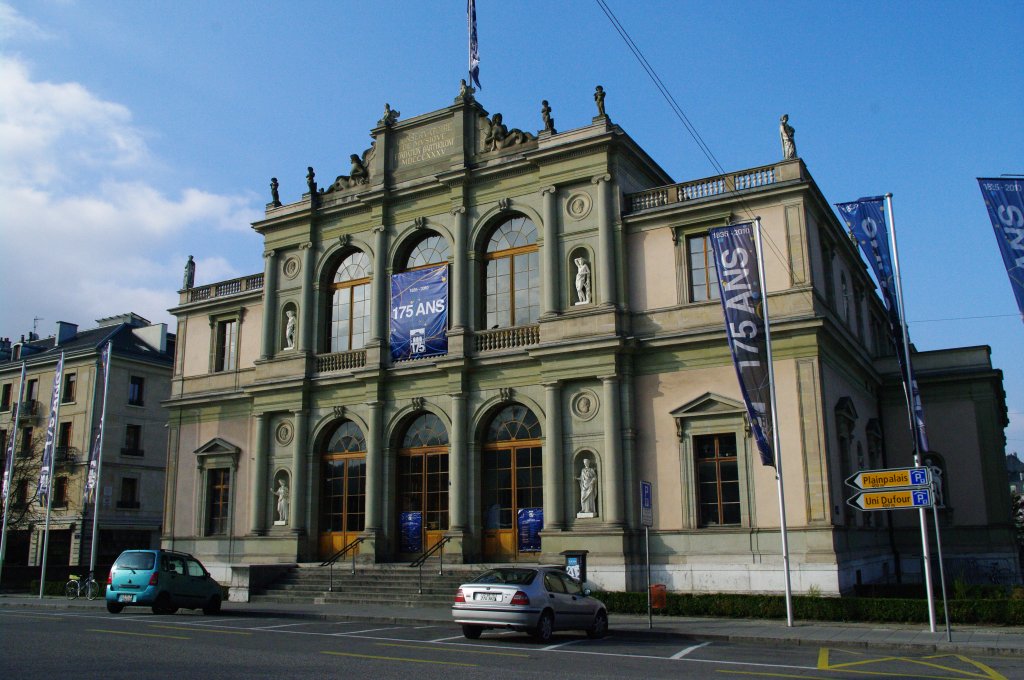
[
  {"x": 51, "y": 444},
  {"x": 9, "y": 470},
  {"x": 99, "y": 462},
  {"x": 775, "y": 424},
  {"x": 908, "y": 386}
]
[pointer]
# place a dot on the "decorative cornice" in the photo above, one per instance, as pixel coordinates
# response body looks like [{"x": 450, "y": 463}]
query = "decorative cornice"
[
  {"x": 379, "y": 229},
  {"x": 269, "y": 254},
  {"x": 597, "y": 179},
  {"x": 504, "y": 203},
  {"x": 549, "y": 190},
  {"x": 457, "y": 210},
  {"x": 306, "y": 246}
]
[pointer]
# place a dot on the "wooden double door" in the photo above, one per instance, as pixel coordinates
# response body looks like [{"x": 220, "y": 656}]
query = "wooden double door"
[{"x": 511, "y": 480}]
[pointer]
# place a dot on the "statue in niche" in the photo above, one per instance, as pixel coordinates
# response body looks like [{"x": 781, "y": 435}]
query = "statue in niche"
[
  {"x": 545, "y": 114},
  {"x": 599, "y": 100},
  {"x": 190, "y": 274},
  {"x": 289, "y": 329},
  {"x": 311, "y": 180},
  {"x": 465, "y": 92},
  {"x": 588, "y": 490},
  {"x": 788, "y": 135},
  {"x": 282, "y": 501},
  {"x": 275, "y": 197},
  {"x": 582, "y": 281},
  {"x": 389, "y": 117},
  {"x": 500, "y": 137}
]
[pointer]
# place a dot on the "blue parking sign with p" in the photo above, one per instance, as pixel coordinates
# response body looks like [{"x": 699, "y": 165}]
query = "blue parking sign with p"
[{"x": 919, "y": 477}]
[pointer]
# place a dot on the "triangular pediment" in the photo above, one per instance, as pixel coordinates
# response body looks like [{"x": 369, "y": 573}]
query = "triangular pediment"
[
  {"x": 708, "y": 403},
  {"x": 217, "y": 446}
]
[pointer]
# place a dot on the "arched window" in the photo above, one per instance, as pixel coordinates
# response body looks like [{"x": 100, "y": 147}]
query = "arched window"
[
  {"x": 513, "y": 275},
  {"x": 511, "y": 477},
  {"x": 342, "y": 487},
  {"x": 349, "y": 313},
  {"x": 422, "y": 476},
  {"x": 428, "y": 251}
]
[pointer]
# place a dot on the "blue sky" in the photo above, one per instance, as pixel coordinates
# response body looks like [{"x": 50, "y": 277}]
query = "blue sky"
[{"x": 133, "y": 134}]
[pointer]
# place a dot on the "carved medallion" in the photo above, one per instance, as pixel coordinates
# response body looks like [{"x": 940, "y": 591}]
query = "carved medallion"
[
  {"x": 578, "y": 206},
  {"x": 291, "y": 267},
  {"x": 584, "y": 405},
  {"x": 284, "y": 434}
]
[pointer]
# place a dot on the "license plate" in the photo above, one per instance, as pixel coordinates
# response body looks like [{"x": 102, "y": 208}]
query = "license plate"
[
  {"x": 487, "y": 597},
  {"x": 126, "y": 598}
]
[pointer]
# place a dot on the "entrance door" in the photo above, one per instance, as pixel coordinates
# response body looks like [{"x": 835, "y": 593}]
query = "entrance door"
[
  {"x": 423, "y": 482},
  {"x": 342, "y": 489},
  {"x": 512, "y": 480}
]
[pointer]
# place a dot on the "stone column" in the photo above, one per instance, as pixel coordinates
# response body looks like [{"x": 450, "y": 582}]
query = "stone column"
[
  {"x": 259, "y": 488},
  {"x": 378, "y": 292},
  {"x": 554, "y": 489},
  {"x": 460, "y": 267},
  {"x": 268, "y": 348},
  {"x": 550, "y": 280},
  {"x": 459, "y": 475},
  {"x": 610, "y": 480},
  {"x": 300, "y": 453},
  {"x": 306, "y": 315},
  {"x": 374, "y": 468},
  {"x": 606, "y": 241}
]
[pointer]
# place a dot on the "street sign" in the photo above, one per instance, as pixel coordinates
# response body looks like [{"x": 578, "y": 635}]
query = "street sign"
[
  {"x": 646, "y": 504},
  {"x": 892, "y": 500},
  {"x": 895, "y": 478}
]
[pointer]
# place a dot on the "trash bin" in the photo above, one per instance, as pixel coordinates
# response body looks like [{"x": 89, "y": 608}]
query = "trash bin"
[
  {"x": 659, "y": 596},
  {"x": 576, "y": 564}
]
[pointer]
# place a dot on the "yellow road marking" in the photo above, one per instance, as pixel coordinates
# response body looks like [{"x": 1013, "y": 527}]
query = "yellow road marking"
[
  {"x": 987, "y": 673},
  {"x": 125, "y": 632},
  {"x": 442, "y": 647},
  {"x": 394, "y": 658},
  {"x": 205, "y": 630},
  {"x": 772, "y": 675}
]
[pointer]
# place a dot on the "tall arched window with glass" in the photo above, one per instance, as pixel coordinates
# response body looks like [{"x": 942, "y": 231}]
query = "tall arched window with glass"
[
  {"x": 513, "y": 275},
  {"x": 429, "y": 251},
  {"x": 349, "y": 312}
]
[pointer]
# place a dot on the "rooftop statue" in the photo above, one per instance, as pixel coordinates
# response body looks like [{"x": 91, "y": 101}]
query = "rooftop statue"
[
  {"x": 275, "y": 197},
  {"x": 465, "y": 92},
  {"x": 389, "y": 117},
  {"x": 788, "y": 135},
  {"x": 358, "y": 174},
  {"x": 311, "y": 180},
  {"x": 190, "y": 274},
  {"x": 599, "y": 99},
  {"x": 545, "y": 114},
  {"x": 500, "y": 137}
]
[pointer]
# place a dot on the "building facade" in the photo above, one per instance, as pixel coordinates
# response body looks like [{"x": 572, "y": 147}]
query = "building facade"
[
  {"x": 581, "y": 350},
  {"x": 131, "y": 487}
]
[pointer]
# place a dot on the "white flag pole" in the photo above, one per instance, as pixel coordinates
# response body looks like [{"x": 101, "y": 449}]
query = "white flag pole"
[
  {"x": 775, "y": 424},
  {"x": 99, "y": 462},
  {"x": 12, "y": 447},
  {"x": 52, "y": 445}
]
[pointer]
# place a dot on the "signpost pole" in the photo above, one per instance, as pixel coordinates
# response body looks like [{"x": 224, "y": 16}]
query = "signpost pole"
[
  {"x": 647, "y": 543},
  {"x": 942, "y": 571}
]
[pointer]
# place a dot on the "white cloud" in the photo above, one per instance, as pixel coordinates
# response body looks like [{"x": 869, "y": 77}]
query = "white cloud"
[{"x": 14, "y": 25}]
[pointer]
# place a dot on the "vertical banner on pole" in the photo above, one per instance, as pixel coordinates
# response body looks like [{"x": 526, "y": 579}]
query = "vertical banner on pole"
[
  {"x": 46, "y": 469},
  {"x": 1004, "y": 198},
  {"x": 9, "y": 453},
  {"x": 91, "y": 480}
]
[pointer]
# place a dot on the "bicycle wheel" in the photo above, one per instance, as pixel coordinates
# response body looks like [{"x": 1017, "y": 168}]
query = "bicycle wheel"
[
  {"x": 71, "y": 590},
  {"x": 92, "y": 589}
]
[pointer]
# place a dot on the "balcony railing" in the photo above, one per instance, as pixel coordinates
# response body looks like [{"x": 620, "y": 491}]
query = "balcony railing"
[
  {"x": 65, "y": 455},
  {"x": 340, "y": 361},
  {"x": 507, "y": 338},
  {"x": 712, "y": 186},
  {"x": 224, "y": 288},
  {"x": 29, "y": 409}
]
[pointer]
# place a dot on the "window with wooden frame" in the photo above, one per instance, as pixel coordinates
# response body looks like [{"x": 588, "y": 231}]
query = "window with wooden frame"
[
  {"x": 512, "y": 279},
  {"x": 429, "y": 251},
  {"x": 60, "y": 492},
  {"x": 136, "y": 390},
  {"x": 5, "y": 397},
  {"x": 718, "y": 488},
  {"x": 67, "y": 395},
  {"x": 226, "y": 348},
  {"x": 63, "y": 440},
  {"x": 423, "y": 471},
  {"x": 218, "y": 495},
  {"x": 701, "y": 270},
  {"x": 348, "y": 311}
]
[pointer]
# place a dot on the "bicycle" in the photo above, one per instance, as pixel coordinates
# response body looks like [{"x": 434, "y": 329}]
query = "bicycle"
[{"x": 76, "y": 587}]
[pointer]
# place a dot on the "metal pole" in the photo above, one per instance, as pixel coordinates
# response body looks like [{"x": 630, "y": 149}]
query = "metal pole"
[
  {"x": 9, "y": 469},
  {"x": 99, "y": 461},
  {"x": 52, "y": 443},
  {"x": 942, "y": 571},
  {"x": 908, "y": 387},
  {"x": 775, "y": 426},
  {"x": 647, "y": 544}
]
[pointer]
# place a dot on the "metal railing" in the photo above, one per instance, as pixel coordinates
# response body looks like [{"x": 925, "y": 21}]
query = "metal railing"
[
  {"x": 329, "y": 562},
  {"x": 418, "y": 562}
]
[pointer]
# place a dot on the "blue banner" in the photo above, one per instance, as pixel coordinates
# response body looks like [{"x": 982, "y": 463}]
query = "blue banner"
[
  {"x": 94, "y": 454},
  {"x": 474, "y": 47},
  {"x": 743, "y": 303},
  {"x": 412, "y": 532},
  {"x": 530, "y": 521},
  {"x": 9, "y": 453},
  {"x": 46, "y": 468},
  {"x": 1004, "y": 199},
  {"x": 419, "y": 313}
]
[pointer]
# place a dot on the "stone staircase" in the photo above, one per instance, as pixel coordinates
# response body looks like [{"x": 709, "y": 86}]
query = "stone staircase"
[{"x": 387, "y": 584}]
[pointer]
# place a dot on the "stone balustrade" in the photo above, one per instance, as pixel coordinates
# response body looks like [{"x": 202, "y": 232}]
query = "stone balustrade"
[
  {"x": 340, "y": 361},
  {"x": 719, "y": 185},
  {"x": 223, "y": 288},
  {"x": 507, "y": 338}
]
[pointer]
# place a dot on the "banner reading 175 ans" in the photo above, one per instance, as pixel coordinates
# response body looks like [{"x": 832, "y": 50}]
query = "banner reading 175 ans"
[
  {"x": 1004, "y": 198},
  {"x": 419, "y": 313}
]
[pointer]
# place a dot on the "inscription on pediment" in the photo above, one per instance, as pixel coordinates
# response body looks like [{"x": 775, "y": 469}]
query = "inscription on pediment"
[{"x": 424, "y": 144}]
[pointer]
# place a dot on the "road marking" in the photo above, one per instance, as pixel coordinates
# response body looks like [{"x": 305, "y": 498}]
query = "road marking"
[
  {"x": 225, "y": 632},
  {"x": 284, "y": 625},
  {"x": 445, "y": 639},
  {"x": 560, "y": 644},
  {"x": 30, "y": 616},
  {"x": 680, "y": 655},
  {"x": 125, "y": 632},
  {"x": 357, "y": 632},
  {"x": 391, "y": 644},
  {"x": 987, "y": 673},
  {"x": 772, "y": 675},
  {"x": 395, "y": 658}
]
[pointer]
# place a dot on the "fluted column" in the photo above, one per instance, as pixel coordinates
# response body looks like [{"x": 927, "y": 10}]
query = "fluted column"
[
  {"x": 267, "y": 349},
  {"x": 611, "y": 485},
  {"x": 460, "y": 270},
  {"x": 378, "y": 292},
  {"x": 299, "y": 455},
  {"x": 306, "y": 313},
  {"x": 606, "y": 240},
  {"x": 459, "y": 476},
  {"x": 549, "y": 255},
  {"x": 374, "y": 468},
  {"x": 259, "y": 489},
  {"x": 554, "y": 489}
]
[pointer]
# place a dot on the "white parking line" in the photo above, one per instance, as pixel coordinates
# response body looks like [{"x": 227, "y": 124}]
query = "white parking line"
[
  {"x": 286, "y": 625},
  {"x": 561, "y": 644},
  {"x": 445, "y": 639},
  {"x": 368, "y": 630},
  {"x": 680, "y": 655}
]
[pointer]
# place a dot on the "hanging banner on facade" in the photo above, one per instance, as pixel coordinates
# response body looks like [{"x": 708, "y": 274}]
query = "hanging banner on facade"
[
  {"x": 412, "y": 532},
  {"x": 1004, "y": 199},
  {"x": 9, "y": 453},
  {"x": 865, "y": 219},
  {"x": 89, "y": 489},
  {"x": 419, "y": 313},
  {"x": 530, "y": 521},
  {"x": 743, "y": 303},
  {"x": 46, "y": 469}
]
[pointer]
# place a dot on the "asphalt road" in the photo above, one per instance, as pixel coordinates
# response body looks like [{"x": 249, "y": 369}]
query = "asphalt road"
[{"x": 138, "y": 644}]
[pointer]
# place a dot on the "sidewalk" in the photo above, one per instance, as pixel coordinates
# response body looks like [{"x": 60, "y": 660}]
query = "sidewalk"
[{"x": 991, "y": 640}]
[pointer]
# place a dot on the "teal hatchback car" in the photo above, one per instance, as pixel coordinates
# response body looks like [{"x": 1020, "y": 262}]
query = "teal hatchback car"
[{"x": 163, "y": 580}]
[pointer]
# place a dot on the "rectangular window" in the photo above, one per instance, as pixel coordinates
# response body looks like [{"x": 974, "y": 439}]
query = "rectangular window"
[
  {"x": 718, "y": 482},
  {"x": 26, "y": 442},
  {"x": 3, "y": 446},
  {"x": 63, "y": 441},
  {"x": 60, "y": 492},
  {"x": 218, "y": 491},
  {"x": 5, "y": 397},
  {"x": 227, "y": 343},
  {"x": 20, "y": 494},
  {"x": 67, "y": 394},
  {"x": 129, "y": 493},
  {"x": 703, "y": 273},
  {"x": 132, "y": 440},
  {"x": 136, "y": 386},
  {"x": 32, "y": 390}
]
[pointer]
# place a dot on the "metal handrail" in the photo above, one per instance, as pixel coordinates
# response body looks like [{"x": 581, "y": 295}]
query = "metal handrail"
[
  {"x": 329, "y": 562},
  {"x": 418, "y": 562}
]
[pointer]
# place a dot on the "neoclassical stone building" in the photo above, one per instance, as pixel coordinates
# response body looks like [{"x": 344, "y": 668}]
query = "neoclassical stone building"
[{"x": 576, "y": 326}]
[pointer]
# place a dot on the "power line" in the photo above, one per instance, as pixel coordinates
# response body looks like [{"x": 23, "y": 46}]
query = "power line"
[{"x": 966, "y": 318}]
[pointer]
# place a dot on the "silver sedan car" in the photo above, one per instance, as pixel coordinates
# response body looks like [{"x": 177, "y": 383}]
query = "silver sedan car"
[{"x": 538, "y": 600}]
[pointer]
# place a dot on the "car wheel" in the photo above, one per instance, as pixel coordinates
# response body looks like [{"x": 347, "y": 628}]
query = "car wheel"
[
  {"x": 472, "y": 632},
  {"x": 600, "y": 627},
  {"x": 163, "y": 605},
  {"x": 213, "y": 606},
  {"x": 545, "y": 627},
  {"x": 114, "y": 607}
]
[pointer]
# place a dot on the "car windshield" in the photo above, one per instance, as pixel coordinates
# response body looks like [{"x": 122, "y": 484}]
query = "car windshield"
[
  {"x": 518, "y": 577},
  {"x": 135, "y": 560}
]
